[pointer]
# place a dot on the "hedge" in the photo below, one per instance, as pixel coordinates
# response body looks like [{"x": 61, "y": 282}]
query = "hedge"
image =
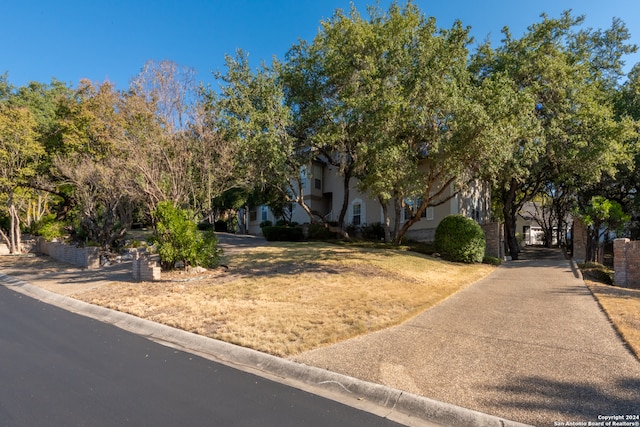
[
  {"x": 460, "y": 239},
  {"x": 282, "y": 234}
]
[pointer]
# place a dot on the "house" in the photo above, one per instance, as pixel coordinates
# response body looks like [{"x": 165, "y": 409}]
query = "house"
[
  {"x": 528, "y": 224},
  {"x": 323, "y": 191}
]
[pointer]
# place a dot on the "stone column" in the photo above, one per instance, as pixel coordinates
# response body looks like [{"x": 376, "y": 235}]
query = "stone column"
[
  {"x": 580, "y": 236},
  {"x": 620, "y": 262}
]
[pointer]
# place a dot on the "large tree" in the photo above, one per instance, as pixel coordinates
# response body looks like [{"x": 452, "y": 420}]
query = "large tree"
[
  {"x": 39, "y": 195},
  {"x": 388, "y": 100},
  {"x": 19, "y": 152},
  {"x": 158, "y": 109},
  {"x": 580, "y": 139},
  {"x": 92, "y": 163},
  {"x": 253, "y": 117}
]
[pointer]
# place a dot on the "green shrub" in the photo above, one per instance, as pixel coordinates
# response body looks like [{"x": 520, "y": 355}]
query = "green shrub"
[
  {"x": 282, "y": 234},
  {"x": 460, "y": 239},
  {"x": 266, "y": 223},
  {"x": 205, "y": 226},
  {"x": 320, "y": 232},
  {"x": 49, "y": 228},
  {"x": 178, "y": 239},
  {"x": 596, "y": 272},
  {"x": 491, "y": 260},
  {"x": 135, "y": 244},
  {"x": 221, "y": 225},
  {"x": 373, "y": 231}
]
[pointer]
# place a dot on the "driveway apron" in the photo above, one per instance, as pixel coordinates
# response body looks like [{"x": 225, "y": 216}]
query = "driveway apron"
[{"x": 528, "y": 343}]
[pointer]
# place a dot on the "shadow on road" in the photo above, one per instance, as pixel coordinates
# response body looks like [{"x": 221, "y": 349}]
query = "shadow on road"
[{"x": 553, "y": 400}]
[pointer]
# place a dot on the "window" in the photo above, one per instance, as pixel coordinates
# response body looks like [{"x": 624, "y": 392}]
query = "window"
[
  {"x": 264, "y": 213},
  {"x": 253, "y": 215},
  {"x": 317, "y": 183},
  {"x": 429, "y": 213},
  {"x": 356, "y": 213},
  {"x": 411, "y": 205}
]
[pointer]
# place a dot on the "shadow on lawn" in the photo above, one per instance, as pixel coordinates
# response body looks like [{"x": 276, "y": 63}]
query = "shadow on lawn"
[{"x": 312, "y": 257}]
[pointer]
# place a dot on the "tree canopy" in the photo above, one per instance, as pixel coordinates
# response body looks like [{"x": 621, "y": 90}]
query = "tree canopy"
[{"x": 389, "y": 99}]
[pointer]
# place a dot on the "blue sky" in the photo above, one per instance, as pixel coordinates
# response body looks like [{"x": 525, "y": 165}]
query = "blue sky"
[{"x": 111, "y": 40}]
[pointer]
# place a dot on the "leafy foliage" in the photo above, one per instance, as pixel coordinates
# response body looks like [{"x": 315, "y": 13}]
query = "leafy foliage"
[
  {"x": 49, "y": 228},
  {"x": 178, "y": 239},
  {"x": 460, "y": 239},
  {"x": 567, "y": 136},
  {"x": 601, "y": 216},
  {"x": 19, "y": 154},
  {"x": 491, "y": 260},
  {"x": 276, "y": 233},
  {"x": 388, "y": 99}
]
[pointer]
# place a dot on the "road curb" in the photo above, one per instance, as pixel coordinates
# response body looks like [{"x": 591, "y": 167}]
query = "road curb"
[
  {"x": 396, "y": 405},
  {"x": 575, "y": 269}
]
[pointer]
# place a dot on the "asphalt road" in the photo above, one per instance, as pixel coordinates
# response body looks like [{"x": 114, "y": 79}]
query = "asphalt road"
[{"x": 61, "y": 369}]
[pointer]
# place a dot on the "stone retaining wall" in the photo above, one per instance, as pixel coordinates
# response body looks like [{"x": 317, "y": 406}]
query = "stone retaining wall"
[
  {"x": 626, "y": 263},
  {"x": 87, "y": 257},
  {"x": 144, "y": 270}
]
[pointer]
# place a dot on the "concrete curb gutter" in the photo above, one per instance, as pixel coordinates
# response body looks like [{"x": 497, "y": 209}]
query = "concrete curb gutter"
[
  {"x": 575, "y": 269},
  {"x": 396, "y": 405}
]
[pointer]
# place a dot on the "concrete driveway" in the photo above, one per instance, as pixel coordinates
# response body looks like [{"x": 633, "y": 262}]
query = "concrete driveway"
[
  {"x": 528, "y": 343},
  {"x": 236, "y": 242}
]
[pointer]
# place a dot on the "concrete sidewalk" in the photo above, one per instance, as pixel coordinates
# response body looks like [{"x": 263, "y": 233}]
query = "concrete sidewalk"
[{"x": 529, "y": 343}]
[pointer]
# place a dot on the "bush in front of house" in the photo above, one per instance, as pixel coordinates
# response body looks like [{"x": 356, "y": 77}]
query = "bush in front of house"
[
  {"x": 221, "y": 226},
  {"x": 282, "y": 234},
  {"x": 491, "y": 260},
  {"x": 205, "y": 225},
  {"x": 373, "y": 231},
  {"x": 178, "y": 239},
  {"x": 460, "y": 239},
  {"x": 320, "y": 232}
]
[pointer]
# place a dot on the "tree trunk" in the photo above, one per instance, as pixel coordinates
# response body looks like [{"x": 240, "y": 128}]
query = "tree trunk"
[
  {"x": 510, "y": 211},
  {"x": 428, "y": 199},
  {"x": 316, "y": 218},
  {"x": 510, "y": 236},
  {"x": 14, "y": 228},
  {"x": 345, "y": 200},
  {"x": 5, "y": 238},
  {"x": 397, "y": 207},
  {"x": 387, "y": 221},
  {"x": 548, "y": 237}
]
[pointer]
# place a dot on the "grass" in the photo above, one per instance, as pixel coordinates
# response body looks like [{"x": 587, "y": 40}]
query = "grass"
[
  {"x": 622, "y": 305},
  {"x": 286, "y": 298}
]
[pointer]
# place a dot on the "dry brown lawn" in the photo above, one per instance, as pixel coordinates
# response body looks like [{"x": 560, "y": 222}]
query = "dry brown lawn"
[
  {"x": 623, "y": 308},
  {"x": 286, "y": 298}
]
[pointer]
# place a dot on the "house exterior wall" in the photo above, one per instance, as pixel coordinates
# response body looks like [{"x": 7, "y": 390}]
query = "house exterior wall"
[
  {"x": 527, "y": 226},
  {"x": 324, "y": 193},
  {"x": 258, "y": 214}
]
